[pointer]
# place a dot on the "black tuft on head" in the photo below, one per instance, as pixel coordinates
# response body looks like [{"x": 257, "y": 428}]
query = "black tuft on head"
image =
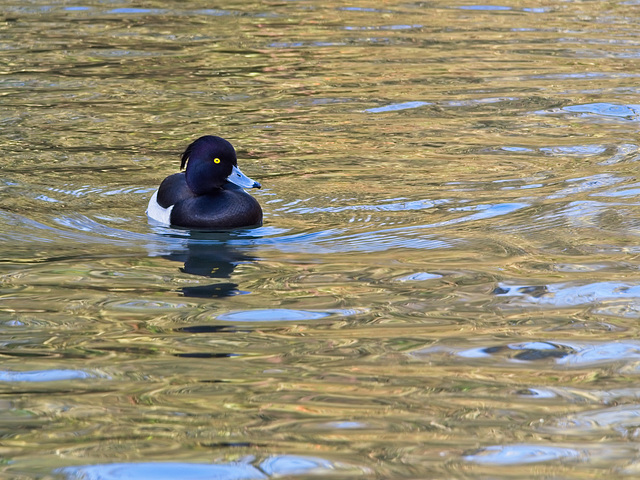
[{"x": 185, "y": 156}]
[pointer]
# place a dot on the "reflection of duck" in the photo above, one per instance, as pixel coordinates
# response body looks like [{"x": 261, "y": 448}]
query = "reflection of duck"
[
  {"x": 209, "y": 254},
  {"x": 209, "y": 194}
]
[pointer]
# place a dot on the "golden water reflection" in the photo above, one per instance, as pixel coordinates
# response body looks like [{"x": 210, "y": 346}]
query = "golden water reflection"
[{"x": 446, "y": 281}]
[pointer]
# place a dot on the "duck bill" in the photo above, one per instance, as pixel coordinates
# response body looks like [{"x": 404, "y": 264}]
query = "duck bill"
[{"x": 240, "y": 179}]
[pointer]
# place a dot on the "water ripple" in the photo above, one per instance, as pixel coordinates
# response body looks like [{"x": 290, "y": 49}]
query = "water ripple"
[
  {"x": 567, "y": 354},
  {"x": 485, "y": 7},
  {"x": 623, "y": 419},
  {"x": 84, "y": 229},
  {"x": 570, "y": 295},
  {"x": 385, "y": 207},
  {"x": 397, "y": 106},
  {"x": 162, "y": 470},
  {"x": 281, "y": 315},
  {"x": 522, "y": 454},
  {"x": 601, "y": 109},
  {"x": 275, "y": 466},
  {"x": 46, "y": 375}
]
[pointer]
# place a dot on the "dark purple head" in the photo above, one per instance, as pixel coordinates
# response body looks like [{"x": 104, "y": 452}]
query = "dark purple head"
[{"x": 209, "y": 161}]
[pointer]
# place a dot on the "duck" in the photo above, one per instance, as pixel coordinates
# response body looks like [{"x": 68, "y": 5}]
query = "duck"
[{"x": 209, "y": 194}]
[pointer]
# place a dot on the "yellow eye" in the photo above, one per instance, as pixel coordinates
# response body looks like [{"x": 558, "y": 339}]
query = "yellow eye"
[{"x": 216, "y": 160}]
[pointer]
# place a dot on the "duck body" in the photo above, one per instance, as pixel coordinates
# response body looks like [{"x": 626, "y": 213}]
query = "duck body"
[{"x": 209, "y": 194}]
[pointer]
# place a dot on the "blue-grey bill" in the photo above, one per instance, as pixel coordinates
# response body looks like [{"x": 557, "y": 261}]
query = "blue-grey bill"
[{"x": 241, "y": 179}]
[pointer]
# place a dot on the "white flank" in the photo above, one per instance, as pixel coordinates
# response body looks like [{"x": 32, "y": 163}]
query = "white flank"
[{"x": 157, "y": 213}]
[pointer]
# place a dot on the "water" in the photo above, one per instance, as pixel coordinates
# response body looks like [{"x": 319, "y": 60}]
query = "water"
[{"x": 446, "y": 284}]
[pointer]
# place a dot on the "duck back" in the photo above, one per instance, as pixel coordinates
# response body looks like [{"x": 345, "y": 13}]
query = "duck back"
[{"x": 173, "y": 189}]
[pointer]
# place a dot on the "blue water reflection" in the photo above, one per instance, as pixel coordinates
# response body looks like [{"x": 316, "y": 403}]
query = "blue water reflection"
[
  {"x": 132, "y": 10},
  {"x": 162, "y": 471},
  {"x": 581, "y": 150},
  {"x": 608, "y": 109},
  {"x": 622, "y": 419},
  {"x": 523, "y": 454},
  {"x": 386, "y": 27},
  {"x": 275, "y": 466},
  {"x": 601, "y": 109},
  {"x": 602, "y": 353},
  {"x": 484, "y": 7},
  {"x": 272, "y": 315},
  {"x": 53, "y": 375},
  {"x": 293, "y": 465},
  {"x": 397, "y": 106},
  {"x": 418, "y": 277},
  {"x": 632, "y": 190},
  {"x": 570, "y": 294},
  {"x": 569, "y": 354}
]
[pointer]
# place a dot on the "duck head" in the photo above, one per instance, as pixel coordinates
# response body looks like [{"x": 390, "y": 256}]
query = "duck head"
[{"x": 211, "y": 162}]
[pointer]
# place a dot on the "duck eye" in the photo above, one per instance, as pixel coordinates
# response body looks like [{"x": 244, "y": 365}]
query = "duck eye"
[{"x": 216, "y": 160}]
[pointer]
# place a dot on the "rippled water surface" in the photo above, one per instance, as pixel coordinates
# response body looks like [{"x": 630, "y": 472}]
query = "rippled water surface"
[{"x": 447, "y": 281}]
